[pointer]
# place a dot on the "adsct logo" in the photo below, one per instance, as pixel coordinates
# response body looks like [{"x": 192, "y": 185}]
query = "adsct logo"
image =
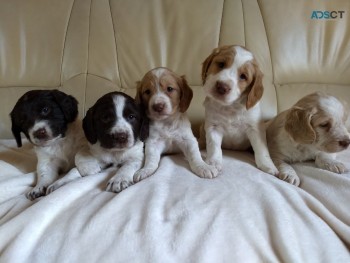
[{"x": 327, "y": 14}]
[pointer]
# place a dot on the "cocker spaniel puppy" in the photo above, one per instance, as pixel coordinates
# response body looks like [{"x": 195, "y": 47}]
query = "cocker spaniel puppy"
[
  {"x": 313, "y": 129},
  {"x": 48, "y": 118}
]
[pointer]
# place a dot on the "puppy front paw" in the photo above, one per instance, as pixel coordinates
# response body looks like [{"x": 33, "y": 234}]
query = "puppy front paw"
[
  {"x": 216, "y": 163},
  {"x": 204, "y": 170},
  {"x": 53, "y": 187},
  {"x": 118, "y": 184},
  {"x": 332, "y": 166},
  {"x": 266, "y": 165},
  {"x": 37, "y": 191},
  {"x": 143, "y": 174},
  {"x": 289, "y": 177},
  {"x": 89, "y": 168}
]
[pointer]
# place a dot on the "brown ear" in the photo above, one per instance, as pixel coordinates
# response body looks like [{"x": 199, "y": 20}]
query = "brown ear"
[
  {"x": 138, "y": 97},
  {"x": 186, "y": 94},
  {"x": 256, "y": 90},
  {"x": 298, "y": 125},
  {"x": 206, "y": 64}
]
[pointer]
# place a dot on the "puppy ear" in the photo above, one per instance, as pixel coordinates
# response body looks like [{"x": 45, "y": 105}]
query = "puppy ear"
[
  {"x": 144, "y": 130},
  {"x": 138, "y": 98},
  {"x": 67, "y": 103},
  {"x": 16, "y": 131},
  {"x": 88, "y": 127},
  {"x": 206, "y": 64},
  {"x": 257, "y": 89},
  {"x": 298, "y": 125},
  {"x": 186, "y": 94}
]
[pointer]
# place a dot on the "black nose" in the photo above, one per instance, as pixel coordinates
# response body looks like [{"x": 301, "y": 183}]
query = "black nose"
[
  {"x": 344, "y": 143},
  {"x": 222, "y": 88},
  {"x": 40, "y": 134},
  {"x": 120, "y": 137},
  {"x": 158, "y": 107}
]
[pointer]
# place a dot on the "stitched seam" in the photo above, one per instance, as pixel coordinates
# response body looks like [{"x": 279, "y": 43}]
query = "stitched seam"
[
  {"x": 88, "y": 57},
  {"x": 65, "y": 40},
  {"x": 272, "y": 67},
  {"x": 116, "y": 48},
  {"x": 244, "y": 30},
  {"x": 222, "y": 17}
]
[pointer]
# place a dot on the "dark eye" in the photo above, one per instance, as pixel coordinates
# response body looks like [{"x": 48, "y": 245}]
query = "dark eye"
[
  {"x": 170, "y": 89},
  {"x": 106, "y": 118},
  {"x": 325, "y": 124},
  {"x": 45, "y": 111},
  {"x": 243, "y": 76},
  {"x": 131, "y": 117},
  {"x": 147, "y": 92},
  {"x": 221, "y": 64}
]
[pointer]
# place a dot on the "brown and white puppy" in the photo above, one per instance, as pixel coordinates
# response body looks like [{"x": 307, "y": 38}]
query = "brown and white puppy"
[
  {"x": 232, "y": 81},
  {"x": 115, "y": 128},
  {"x": 313, "y": 129},
  {"x": 48, "y": 118},
  {"x": 166, "y": 97}
]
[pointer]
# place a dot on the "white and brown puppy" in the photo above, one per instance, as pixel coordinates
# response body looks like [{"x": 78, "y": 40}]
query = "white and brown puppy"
[
  {"x": 166, "y": 97},
  {"x": 313, "y": 129},
  {"x": 115, "y": 128},
  {"x": 232, "y": 81},
  {"x": 48, "y": 118}
]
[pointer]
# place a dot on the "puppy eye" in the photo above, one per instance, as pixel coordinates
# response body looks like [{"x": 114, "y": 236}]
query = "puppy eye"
[
  {"x": 220, "y": 64},
  {"x": 325, "y": 125},
  {"x": 131, "y": 117},
  {"x": 170, "y": 89},
  {"x": 106, "y": 118},
  {"x": 243, "y": 76},
  {"x": 147, "y": 92},
  {"x": 45, "y": 111}
]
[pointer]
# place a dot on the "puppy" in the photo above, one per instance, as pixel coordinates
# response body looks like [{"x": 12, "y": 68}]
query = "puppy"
[
  {"x": 48, "y": 118},
  {"x": 115, "y": 128},
  {"x": 166, "y": 97},
  {"x": 313, "y": 129},
  {"x": 232, "y": 81}
]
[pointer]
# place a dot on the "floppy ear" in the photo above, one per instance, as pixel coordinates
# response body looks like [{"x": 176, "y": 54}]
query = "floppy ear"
[
  {"x": 88, "y": 127},
  {"x": 138, "y": 98},
  {"x": 67, "y": 103},
  {"x": 298, "y": 125},
  {"x": 257, "y": 89},
  {"x": 186, "y": 94},
  {"x": 206, "y": 64},
  {"x": 144, "y": 130},
  {"x": 16, "y": 130}
]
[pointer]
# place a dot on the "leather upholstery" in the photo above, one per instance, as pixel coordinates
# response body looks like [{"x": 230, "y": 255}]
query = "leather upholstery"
[{"x": 87, "y": 48}]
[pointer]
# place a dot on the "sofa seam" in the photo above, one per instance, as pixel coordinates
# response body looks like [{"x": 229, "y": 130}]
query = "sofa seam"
[
  {"x": 244, "y": 25},
  {"x": 116, "y": 48},
  {"x": 88, "y": 57},
  {"x": 65, "y": 41},
  {"x": 222, "y": 17}
]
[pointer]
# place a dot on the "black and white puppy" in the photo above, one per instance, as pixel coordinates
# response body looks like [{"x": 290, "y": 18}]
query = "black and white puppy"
[
  {"x": 115, "y": 128},
  {"x": 48, "y": 118}
]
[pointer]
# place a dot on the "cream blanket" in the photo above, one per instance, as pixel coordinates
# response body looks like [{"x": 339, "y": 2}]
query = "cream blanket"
[{"x": 244, "y": 215}]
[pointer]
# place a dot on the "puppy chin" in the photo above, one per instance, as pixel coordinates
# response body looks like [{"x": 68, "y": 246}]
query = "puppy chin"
[
  {"x": 156, "y": 116},
  {"x": 224, "y": 100},
  {"x": 332, "y": 147},
  {"x": 44, "y": 142}
]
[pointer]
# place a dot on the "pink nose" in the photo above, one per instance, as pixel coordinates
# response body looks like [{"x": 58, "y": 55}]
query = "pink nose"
[
  {"x": 222, "y": 88},
  {"x": 158, "y": 107}
]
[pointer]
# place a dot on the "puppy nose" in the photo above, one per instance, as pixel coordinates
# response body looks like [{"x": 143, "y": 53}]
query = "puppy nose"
[
  {"x": 344, "y": 143},
  {"x": 221, "y": 87},
  {"x": 40, "y": 134},
  {"x": 158, "y": 107},
  {"x": 120, "y": 137}
]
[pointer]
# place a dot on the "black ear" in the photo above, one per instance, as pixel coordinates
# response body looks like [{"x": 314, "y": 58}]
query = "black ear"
[
  {"x": 16, "y": 130},
  {"x": 67, "y": 103},
  {"x": 144, "y": 131},
  {"x": 88, "y": 127}
]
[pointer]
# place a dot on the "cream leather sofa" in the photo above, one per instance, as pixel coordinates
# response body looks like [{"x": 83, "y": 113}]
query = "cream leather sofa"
[{"x": 88, "y": 48}]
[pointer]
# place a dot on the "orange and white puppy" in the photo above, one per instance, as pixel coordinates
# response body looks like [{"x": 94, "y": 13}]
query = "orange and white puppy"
[
  {"x": 313, "y": 129},
  {"x": 232, "y": 81},
  {"x": 165, "y": 98}
]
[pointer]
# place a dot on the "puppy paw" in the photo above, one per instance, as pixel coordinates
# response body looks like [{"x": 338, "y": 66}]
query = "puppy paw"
[
  {"x": 266, "y": 165},
  {"x": 205, "y": 170},
  {"x": 216, "y": 163},
  {"x": 53, "y": 187},
  {"x": 291, "y": 178},
  {"x": 142, "y": 174},
  {"x": 332, "y": 166},
  {"x": 88, "y": 168},
  {"x": 118, "y": 184},
  {"x": 36, "y": 192}
]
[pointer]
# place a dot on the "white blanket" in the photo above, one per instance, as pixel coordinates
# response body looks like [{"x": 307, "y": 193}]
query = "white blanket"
[{"x": 244, "y": 215}]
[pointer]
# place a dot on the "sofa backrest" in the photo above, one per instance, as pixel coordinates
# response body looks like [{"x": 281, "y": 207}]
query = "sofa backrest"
[{"x": 89, "y": 48}]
